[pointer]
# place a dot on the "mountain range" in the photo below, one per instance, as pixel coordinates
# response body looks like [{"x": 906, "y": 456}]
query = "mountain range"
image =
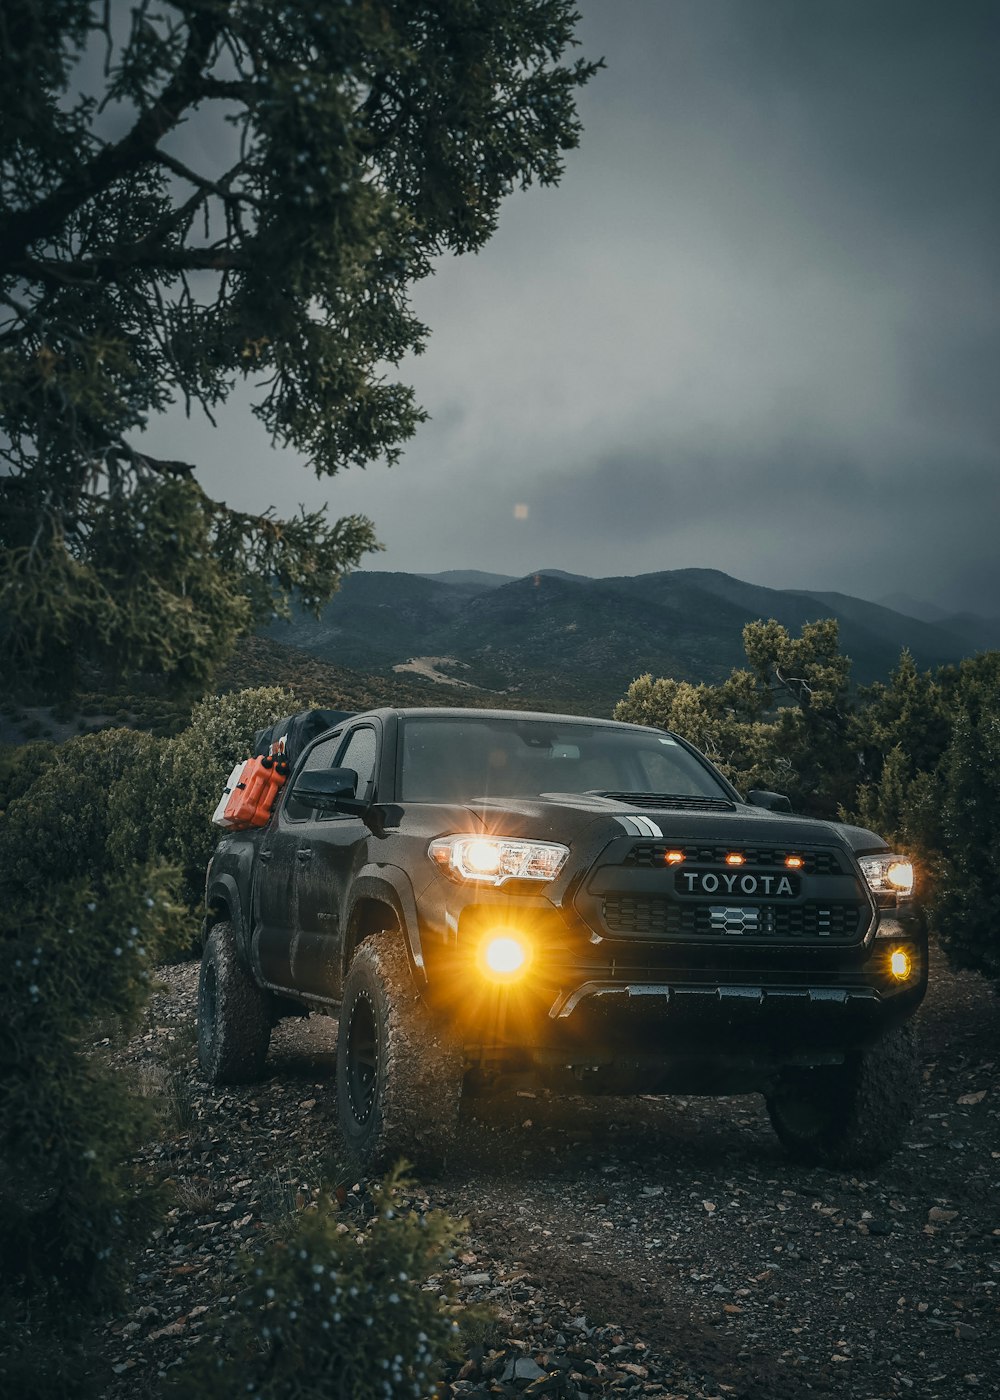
[{"x": 578, "y": 642}]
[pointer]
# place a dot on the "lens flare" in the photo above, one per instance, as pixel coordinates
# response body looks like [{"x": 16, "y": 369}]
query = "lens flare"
[
  {"x": 900, "y": 875},
  {"x": 505, "y": 955}
]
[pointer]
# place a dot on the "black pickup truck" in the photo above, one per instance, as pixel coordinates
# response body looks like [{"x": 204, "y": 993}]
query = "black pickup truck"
[{"x": 479, "y": 892}]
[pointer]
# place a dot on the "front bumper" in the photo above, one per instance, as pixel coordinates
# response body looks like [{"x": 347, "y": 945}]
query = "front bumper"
[{"x": 678, "y": 1000}]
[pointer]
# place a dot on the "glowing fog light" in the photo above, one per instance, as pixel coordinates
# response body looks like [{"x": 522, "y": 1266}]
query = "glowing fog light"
[
  {"x": 899, "y": 964},
  {"x": 505, "y": 955}
]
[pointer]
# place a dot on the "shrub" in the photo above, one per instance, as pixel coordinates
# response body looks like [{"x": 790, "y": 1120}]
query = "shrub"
[
  {"x": 20, "y": 765},
  {"x": 61, "y": 826},
  {"x": 338, "y": 1312},
  {"x": 70, "y": 1210}
]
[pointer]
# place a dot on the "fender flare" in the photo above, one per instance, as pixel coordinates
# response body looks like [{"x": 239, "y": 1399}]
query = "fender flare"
[
  {"x": 391, "y": 885},
  {"x": 223, "y": 891}
]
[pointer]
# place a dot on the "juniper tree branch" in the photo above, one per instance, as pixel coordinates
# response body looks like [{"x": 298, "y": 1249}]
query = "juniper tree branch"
[
  {"x": 113, "y": 265},
  {"x": 20, "y": 230}
]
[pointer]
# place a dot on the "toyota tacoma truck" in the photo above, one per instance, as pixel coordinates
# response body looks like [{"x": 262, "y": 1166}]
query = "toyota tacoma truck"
[{"x": 477, "y": 893}]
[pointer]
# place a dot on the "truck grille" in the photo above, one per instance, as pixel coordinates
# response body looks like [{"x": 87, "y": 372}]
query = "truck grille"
[
  {"x": 651, "y": 855},
  {"x": 651, "y": 916}
]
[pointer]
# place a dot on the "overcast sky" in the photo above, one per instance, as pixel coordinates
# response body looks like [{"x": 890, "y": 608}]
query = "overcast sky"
[{"x": 756, "y": 328}]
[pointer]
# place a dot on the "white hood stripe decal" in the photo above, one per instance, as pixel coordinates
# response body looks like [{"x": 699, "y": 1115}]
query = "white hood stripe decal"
[{"x": 639, "y": 826}]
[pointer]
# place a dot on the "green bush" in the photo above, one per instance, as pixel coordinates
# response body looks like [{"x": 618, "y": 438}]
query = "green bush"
[
  {"x": 193, "y": 770},
  {"x": 70, "y": 1208},
  {"x": 20, "y": 765},
  {"x": 338, "y": 1312},
  {"x": 61, "y": 826}
]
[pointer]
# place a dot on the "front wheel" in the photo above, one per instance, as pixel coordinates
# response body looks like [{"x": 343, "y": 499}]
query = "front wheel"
[
  {"x": 850, "y": 1115},
  {"x": 399, "y": 1072},
  {"x": 234, "y": 1014}
]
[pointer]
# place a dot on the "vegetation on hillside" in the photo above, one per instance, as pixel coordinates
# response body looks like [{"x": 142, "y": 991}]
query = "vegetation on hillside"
[{"x": 579, "y": 642}]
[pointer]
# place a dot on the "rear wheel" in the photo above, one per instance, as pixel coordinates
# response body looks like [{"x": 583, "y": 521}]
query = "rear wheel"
[
  {"x": 399, "y": 1073},
  {"x": 850, "y": 1115},
  {"x": 234, "y": 1014}
]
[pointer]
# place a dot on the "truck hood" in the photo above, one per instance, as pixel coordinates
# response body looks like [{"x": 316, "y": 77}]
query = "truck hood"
[{"x": 563, "y": 816}]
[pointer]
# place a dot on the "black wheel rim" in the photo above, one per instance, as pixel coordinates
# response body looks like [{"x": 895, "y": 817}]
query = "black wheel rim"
[
  {"x": 362, "y": 1058},
  {"x": 208, "y": 1003}
]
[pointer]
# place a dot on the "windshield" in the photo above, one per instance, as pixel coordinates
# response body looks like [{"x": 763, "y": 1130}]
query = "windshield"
[{"x": 452, "y": 759}]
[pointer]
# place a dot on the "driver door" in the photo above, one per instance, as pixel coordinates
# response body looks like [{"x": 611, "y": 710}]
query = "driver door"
[{"x": 338, "y": 846}]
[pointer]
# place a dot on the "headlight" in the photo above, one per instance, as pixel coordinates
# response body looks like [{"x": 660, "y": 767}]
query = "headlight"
[
  {"x": 490, "y": 860},
  {"x": 887, "y": 874}
]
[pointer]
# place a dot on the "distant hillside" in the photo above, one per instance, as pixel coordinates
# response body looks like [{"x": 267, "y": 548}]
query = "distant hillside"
[
  {"x": 471, "y": 577},
  {"x": 261, "y": 661},
  {"x": 563, "y": 638}
]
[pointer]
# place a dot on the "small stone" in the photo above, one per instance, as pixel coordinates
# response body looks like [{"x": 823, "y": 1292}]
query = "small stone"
[
  {"x": 522, "y": 1368},
  {"x": 172, "y": 1329}
]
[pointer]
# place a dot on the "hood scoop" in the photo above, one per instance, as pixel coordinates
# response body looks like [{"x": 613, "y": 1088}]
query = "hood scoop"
[{"x": 669, "y": 801}]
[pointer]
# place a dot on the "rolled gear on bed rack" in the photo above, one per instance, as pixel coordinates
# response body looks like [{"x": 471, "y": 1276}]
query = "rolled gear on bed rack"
[{"x": 289, "y": 736}]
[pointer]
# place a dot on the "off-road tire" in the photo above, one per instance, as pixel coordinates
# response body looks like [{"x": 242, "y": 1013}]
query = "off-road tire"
[
  {"x": 850, "y": 1115},
  {"x": 234, "y": 1014},
  {"x": 399, "y": 1072}
]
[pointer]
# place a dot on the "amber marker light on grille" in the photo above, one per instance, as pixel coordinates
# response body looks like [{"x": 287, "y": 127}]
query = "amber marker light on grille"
[
  {"x": 794, "y": 862},
  {"x": 674, "y": 857},
  {"x": 899, "y": 964},
  {"x": 505, "y": 956},
  {"x": 734, "y": 858}
]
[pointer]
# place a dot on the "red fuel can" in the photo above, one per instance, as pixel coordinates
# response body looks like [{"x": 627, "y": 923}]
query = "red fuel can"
[{"x": 253, "y": 797}]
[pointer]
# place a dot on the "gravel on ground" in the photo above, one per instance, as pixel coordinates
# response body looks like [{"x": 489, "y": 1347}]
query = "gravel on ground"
[{"x": 652, "y": 1247}]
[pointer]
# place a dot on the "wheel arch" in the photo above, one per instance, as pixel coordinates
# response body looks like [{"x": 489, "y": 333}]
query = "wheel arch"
[
  {"x": 222, "y": 903},
  {"x": 383, "y": 899}
]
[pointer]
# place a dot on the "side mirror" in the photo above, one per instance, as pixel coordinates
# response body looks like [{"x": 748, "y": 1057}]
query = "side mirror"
[
  {"x": 325, "y": 788},
  {"x": 770, "y": 801}
]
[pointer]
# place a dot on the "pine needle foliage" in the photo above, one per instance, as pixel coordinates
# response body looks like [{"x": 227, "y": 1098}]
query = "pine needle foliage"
[{"x": 968, "y": 904}]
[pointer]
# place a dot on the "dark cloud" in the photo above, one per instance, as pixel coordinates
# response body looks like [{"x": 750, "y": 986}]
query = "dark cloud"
[{"x": 756, "y": 327}]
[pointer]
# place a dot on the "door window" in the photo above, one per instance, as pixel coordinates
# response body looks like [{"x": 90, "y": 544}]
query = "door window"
[
  {"x": 360, "y": 753},
  {"x": 319, "y": 756}
]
